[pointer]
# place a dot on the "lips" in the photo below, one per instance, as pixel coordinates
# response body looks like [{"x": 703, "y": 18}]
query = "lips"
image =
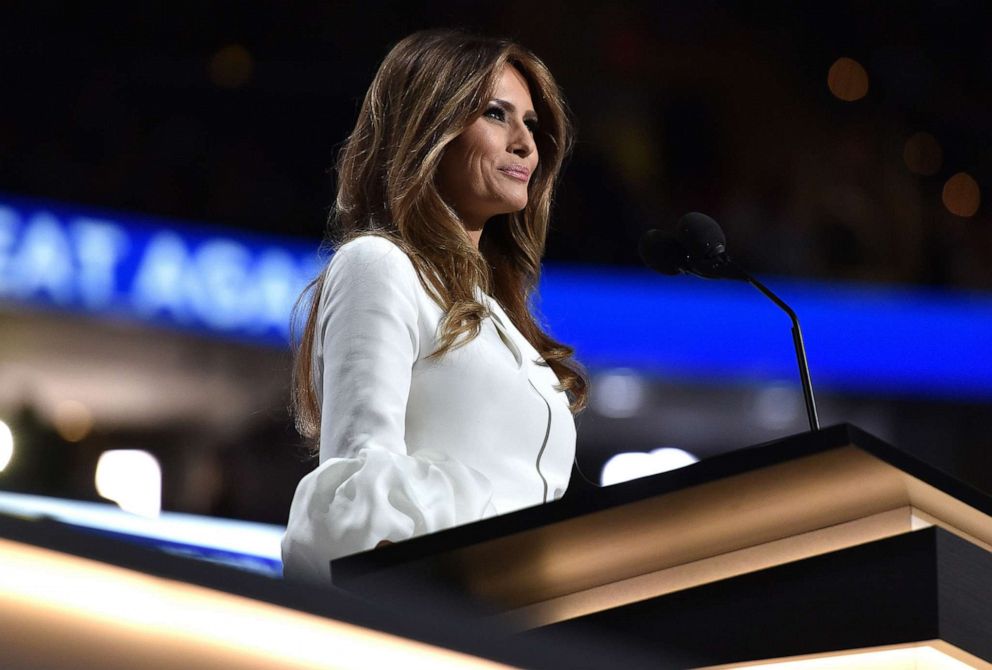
[{"x": 518, "y": 172}]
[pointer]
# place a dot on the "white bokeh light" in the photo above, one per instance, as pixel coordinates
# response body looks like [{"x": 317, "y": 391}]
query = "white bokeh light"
[
  {"x": 131, "y": 478},
  {"x": 778, "y": 406},
  {"x": 634, "y": 465},
  {"x": 6, "y": 445},
  {"x": 618, "y": 394}
]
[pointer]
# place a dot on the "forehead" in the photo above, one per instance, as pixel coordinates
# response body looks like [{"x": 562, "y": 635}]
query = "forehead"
[{"x": 512, "y": 86}]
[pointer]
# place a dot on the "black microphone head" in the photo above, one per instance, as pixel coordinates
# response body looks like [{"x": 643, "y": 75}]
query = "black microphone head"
[
  {"x": 701, "y": 236},
  {"x": 662, "y": 253}
]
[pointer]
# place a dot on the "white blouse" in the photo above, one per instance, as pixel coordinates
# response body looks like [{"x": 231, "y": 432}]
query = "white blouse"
[{"x": 411, "y": 444}]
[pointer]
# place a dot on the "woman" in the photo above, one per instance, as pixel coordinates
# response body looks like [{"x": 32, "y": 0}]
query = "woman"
[{"x": 436, "y": 397}]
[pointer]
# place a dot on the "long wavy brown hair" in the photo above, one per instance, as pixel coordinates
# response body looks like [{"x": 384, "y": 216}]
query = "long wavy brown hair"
[{"x": 431, "y": 86}]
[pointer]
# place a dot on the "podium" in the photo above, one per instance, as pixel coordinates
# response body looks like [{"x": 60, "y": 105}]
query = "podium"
[{"x": 830, "y": 546}]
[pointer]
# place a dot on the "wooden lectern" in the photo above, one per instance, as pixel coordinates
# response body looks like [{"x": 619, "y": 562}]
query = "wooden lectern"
[{"x": 830, "y": 546}]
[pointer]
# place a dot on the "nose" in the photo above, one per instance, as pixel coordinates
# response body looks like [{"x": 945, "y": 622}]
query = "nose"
[{"x": 521, "y": 141}]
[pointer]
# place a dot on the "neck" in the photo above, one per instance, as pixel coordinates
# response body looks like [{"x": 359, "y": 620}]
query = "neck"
[{"x": 474, "y": 234}]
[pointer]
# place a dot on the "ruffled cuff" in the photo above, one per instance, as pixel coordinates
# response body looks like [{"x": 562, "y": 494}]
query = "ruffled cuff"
[{"x": 348, "y": 505}]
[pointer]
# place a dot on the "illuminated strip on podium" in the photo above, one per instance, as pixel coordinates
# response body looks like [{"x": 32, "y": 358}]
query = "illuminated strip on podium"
[
  {"x": 934, "y": 655},
  {"x": 58, "y": 610}
]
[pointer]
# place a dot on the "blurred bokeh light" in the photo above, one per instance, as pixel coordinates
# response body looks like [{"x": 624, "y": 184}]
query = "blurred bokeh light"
[
  {"x": 848, "y": 79},
  {"x": 618, "y": 393},
  {"x": 132, "y": 478},
  {"x": 631, "y": 465},
  {"x": 231, "y": 66},
  {"x": 962, "y": 195},
  {"x": 73, "y": 420},
  {"x": 6, "y": 445}
]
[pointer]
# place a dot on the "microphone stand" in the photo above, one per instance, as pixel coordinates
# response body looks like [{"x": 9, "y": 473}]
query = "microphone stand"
[{"x": 723, "y": 266}]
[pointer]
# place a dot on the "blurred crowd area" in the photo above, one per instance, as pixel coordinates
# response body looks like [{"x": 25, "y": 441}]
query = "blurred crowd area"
[{"x": 231, "y": 113}]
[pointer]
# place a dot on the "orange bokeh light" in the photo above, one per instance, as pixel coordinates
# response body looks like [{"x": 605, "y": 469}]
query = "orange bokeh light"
[
  {"x": 961, "y": 195},
  {"x": 231, "y": 66},
  {"x": 848, "y": 79}
]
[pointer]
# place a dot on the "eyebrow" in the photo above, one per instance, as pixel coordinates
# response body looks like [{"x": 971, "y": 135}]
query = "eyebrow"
[{"x": 509, "y": 106}]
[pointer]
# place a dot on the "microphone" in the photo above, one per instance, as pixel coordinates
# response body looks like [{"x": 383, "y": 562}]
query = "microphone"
[
  {"x": 662, "y": 253},
  {"x": 701, "y": 236},
  {"x": 699, "y": 247}
]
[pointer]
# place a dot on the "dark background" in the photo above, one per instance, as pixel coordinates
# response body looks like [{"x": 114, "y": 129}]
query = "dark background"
[
  {"x": 231, "y": 114},
  {"x": 721, "y": 107}
]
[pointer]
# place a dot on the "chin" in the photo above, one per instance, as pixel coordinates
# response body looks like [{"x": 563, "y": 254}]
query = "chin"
[{"x": 516, "y": 205}]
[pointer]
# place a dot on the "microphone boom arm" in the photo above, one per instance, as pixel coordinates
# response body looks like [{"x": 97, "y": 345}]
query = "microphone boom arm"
[{"x": 797, "y": 341}]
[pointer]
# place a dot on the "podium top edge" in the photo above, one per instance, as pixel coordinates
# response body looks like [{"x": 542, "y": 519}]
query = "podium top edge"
[{"x": 585, "y": 499}]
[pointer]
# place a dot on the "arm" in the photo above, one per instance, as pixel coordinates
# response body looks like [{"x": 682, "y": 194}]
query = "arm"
[
  {"x": 368, "y": 488},
  {"x": 368, "y": 340}
]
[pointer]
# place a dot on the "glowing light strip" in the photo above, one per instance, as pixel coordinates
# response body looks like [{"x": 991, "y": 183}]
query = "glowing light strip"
[
  {"x": 66, "y": 595},
  {"x": 936, "y": 655},
  {"x": 243, "y": 537}
]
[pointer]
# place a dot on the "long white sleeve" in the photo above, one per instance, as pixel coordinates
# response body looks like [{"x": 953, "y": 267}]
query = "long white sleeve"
[{"x": 368, "y": 486}]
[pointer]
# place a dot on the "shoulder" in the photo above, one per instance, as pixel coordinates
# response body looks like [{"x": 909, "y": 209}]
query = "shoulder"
[
  {"x": 371, "y": 255},
  {"x": 371, "y": 249},
  {"x": 371, "y": 267}
]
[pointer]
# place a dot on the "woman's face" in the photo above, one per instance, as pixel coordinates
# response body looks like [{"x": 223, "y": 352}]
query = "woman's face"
[{"x": 485, "y": 170}]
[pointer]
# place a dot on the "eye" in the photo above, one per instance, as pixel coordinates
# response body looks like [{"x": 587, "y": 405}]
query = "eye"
[
  {"x": 532, "y": 125},
  {"x": 495, "y": 112}
]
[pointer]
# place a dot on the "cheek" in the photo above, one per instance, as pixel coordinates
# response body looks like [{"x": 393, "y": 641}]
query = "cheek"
[
  {"x": 465, "y": 162},
  {"x": 455, "y": 171}
]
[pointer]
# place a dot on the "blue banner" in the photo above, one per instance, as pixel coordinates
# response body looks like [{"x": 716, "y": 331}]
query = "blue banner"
[
  {"x": 860, "y": 337},
  {"x": 167, "y": 273}
]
